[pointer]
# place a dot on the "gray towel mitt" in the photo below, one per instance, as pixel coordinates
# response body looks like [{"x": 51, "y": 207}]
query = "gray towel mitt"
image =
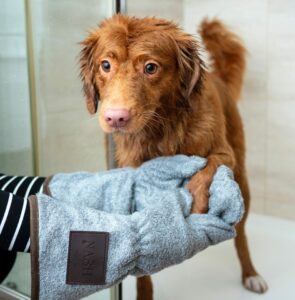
[
  {"x": 122, "y": 190},
  {"x": 161, "y": 234}
]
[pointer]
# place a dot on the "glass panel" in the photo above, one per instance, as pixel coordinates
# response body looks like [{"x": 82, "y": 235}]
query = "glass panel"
[
  {"x": 67, "y": 138},
  {"x": 19, "y": 278},
  {"x": 15, "y": 125},
  {"x": 16, "y": 154}
]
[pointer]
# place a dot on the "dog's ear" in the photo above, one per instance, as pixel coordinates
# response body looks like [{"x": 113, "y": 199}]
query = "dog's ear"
[
  {"x": 189, "y": 64},
  {"x": 88, "y": 71}
]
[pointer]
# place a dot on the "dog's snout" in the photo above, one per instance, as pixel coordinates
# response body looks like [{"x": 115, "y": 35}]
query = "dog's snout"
[{"x": 117, "y": 117}]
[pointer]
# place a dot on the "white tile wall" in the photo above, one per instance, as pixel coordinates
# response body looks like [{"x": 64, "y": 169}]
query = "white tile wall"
[
  {"x": 249, "y": 20},
  {"x": 169, "y": 9},
  {"x": 279, "y": 198}
]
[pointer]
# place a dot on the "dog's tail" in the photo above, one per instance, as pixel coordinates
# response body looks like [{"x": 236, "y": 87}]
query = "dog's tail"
[{"x": 227, "y": 53}]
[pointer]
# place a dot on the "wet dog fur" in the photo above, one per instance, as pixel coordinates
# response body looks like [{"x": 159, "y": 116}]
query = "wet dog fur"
[{"x": 153, "y": 70}]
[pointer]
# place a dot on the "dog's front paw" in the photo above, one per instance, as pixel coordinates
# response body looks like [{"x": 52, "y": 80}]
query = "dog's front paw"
[
  {"x": 255, "y": 284},
  {"x": 199, "y": 188}
]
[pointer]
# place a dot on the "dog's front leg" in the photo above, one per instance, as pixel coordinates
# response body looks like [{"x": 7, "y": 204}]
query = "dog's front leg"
[
  {"x": 144, "y": 288},
  {"x": 200, "y": 182}
]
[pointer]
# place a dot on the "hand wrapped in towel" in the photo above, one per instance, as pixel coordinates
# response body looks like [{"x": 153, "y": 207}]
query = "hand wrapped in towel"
[
  {"x": 161, "y": 234},
  {"x": 117, "y": 191}
]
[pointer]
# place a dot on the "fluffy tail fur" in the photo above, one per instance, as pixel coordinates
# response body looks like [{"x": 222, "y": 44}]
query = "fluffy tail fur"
[{"x": 228, "y": 54}]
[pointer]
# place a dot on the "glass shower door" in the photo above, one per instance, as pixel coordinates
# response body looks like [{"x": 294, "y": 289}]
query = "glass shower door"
[
  {"x": 44, "y": 125},
  {"x": 16, "y": 149}
]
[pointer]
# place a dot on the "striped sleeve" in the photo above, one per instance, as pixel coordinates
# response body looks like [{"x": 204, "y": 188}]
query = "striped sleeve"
[
  {"x": 14, "y": 222},
  {"x": 14, "y": 210},
  {"x": 23, "y": 186}
]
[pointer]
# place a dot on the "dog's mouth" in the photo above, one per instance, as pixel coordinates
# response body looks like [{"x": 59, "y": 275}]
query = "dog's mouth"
[{"x": 118, "y": 129}]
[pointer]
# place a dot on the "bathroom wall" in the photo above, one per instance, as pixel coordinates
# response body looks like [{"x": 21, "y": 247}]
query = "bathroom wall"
[
  {"x": 169, "y": 9},
  {"x": 268, "y": 100}
]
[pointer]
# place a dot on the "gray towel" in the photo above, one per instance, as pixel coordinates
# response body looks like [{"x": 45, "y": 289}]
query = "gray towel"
[
  {"x": 125, "y": 190},
  {"x": 161, "y": 234}
]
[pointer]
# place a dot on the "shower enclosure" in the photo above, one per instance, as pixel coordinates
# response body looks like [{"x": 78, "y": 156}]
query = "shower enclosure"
[{"x": 44, "y": 125}]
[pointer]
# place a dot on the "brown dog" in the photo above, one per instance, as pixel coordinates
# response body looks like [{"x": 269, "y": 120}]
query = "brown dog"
[{"x": 157, "y": 98}]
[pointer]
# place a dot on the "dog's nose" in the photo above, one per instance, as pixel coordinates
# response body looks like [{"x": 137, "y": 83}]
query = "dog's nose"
[{"x": 116, "y": 117}]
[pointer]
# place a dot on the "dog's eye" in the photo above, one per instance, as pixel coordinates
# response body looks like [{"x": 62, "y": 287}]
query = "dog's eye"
[
  {"x": 150, "y": 68},
  {"x": 106, "y": 66}
]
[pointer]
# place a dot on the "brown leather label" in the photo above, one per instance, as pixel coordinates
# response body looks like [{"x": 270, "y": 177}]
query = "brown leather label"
[{"x": 87, "y": 258}]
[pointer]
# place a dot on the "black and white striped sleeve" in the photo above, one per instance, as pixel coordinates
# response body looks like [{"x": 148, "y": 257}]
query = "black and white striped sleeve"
[
  {"x": 14, "y": 223},
  {"x": 22, "y": 186},
  {"x": 15, "y": 212}
]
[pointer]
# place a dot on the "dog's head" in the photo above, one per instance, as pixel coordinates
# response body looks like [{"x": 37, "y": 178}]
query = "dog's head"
[{"x": 135, "y": 66}]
